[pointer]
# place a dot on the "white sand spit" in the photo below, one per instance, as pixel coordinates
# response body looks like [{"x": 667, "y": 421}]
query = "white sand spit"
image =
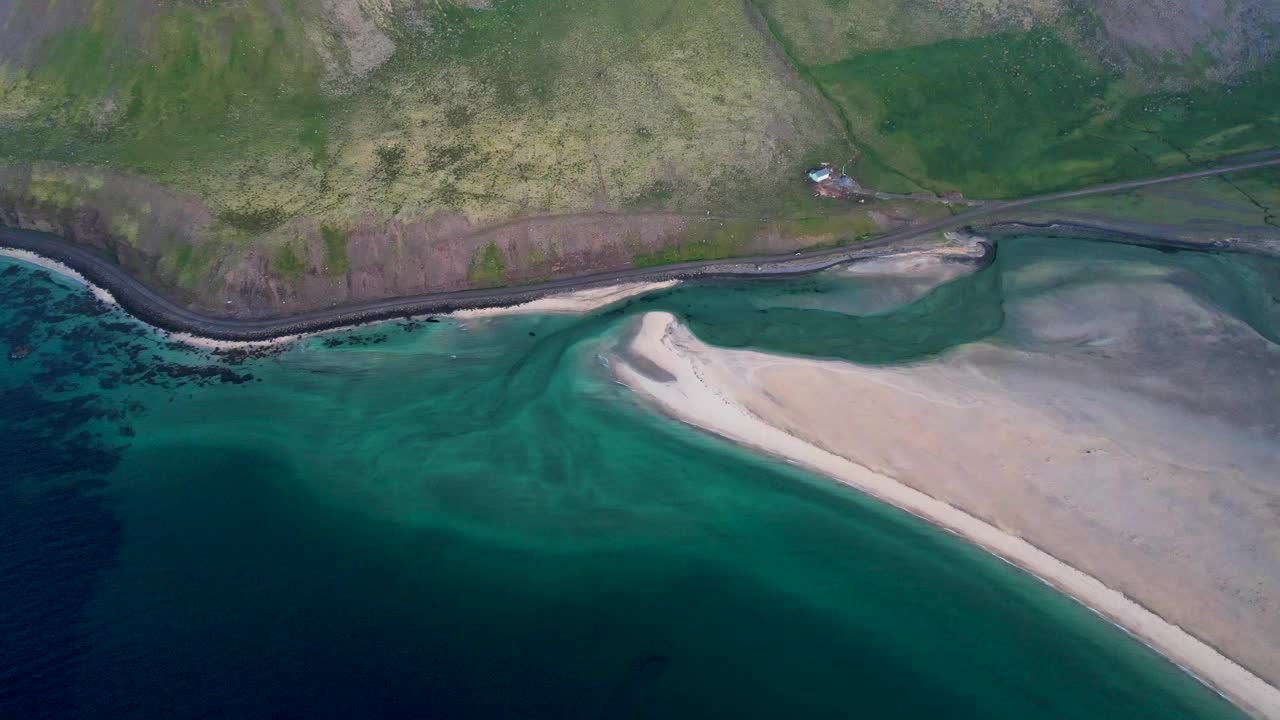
[
  {"x": 571, "y": 303},
  {"x": 708, "y": 391}
]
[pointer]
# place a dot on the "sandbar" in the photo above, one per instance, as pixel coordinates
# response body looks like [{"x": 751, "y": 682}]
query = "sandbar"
[{"x": 740, "y": 395}]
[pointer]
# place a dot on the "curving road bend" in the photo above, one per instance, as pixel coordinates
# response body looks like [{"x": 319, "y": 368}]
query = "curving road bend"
[{"x": 148, "y": 305}]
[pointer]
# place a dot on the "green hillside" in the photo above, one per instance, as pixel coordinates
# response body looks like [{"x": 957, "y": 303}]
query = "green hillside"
[
  {"x": 281, "y": 147},
  {"x": 536, "y": 105},
  {"x": 959, "y": 100}
]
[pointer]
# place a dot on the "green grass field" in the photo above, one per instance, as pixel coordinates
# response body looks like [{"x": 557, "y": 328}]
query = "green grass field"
[
  {"x": 1247, "y": 199},
  {"x": 218, "y": 83},
  {"x": 1015, "y": 113}
]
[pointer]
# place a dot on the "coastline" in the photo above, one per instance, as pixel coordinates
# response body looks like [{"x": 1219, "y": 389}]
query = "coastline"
[
  {"x": 1138, "y": 234},
  {"x": 678, "y": 373},
  {"x": 40, "y": 261},
  {"x": 146, "y": 304},
  {"x": 566, "y": 303},
  {"x": 155, "y": 309},
  {"x": 969, "y": 246},
  {"x": 1216, "y": 670},
  {"x": 573, "y": 302}
]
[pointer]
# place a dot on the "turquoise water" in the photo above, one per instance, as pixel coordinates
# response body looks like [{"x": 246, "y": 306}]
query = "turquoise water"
[{"x": 473, "y": 520}]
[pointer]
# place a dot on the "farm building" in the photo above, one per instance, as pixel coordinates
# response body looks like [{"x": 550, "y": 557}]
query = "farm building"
[
  {"x": 820, "y": 175},
  {"x": 828, "y": 183}
]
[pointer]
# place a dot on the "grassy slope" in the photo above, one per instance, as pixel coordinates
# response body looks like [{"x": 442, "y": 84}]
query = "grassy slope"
[
  {"x": 535, "y": 106},
  {"x": 531, "y": 107},
  {"x": 540, "y": 106},
  {"x": 1248, "y": 199},
  {"x": 1012, "y": 113},
  {"x": 550, "y": 105},
  {"x": 822, "y": 32},
  {"x": 206, "y": 87}
]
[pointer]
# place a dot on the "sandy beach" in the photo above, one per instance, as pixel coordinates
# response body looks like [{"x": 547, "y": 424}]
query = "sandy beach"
[
  {"x": 870, "y": 427},
  {"x": 577, "y": 302}
]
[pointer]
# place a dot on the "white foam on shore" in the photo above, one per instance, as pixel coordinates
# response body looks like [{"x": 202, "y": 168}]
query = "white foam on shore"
[
  {"x": 706, "y": 394},
  {"x": 31, "y": 258},
  {"x": 105, "y": 296}
]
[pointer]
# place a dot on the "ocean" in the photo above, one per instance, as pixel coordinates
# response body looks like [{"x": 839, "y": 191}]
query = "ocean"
[{"x": 471, "y": 519}]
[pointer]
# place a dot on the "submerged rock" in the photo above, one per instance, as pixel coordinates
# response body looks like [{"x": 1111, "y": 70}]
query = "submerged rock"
[{"x": 18, "y": 352}]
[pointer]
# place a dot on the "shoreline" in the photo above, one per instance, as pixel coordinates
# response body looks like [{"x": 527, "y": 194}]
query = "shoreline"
[
  {"x": 108, "y": 280},
  {"x": 567, "y": 303},
  {"x": 148, "y": 305},
  {"x": 971, "y": 245},
  {"x": 573, "y": 302},
  {"x": 1064, "y": 229},
  {"x": 678, "y": 375}
]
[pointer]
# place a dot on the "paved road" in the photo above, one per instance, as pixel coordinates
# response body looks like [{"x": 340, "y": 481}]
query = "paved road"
[
  {"x": 1001, "y": 206},
  {"x": 145, "y": 303}
]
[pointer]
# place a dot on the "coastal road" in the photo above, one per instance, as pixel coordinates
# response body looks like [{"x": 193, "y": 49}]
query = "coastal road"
[
  {"x": 145, "y": 303},
  {"x": 996, "y": 207}
]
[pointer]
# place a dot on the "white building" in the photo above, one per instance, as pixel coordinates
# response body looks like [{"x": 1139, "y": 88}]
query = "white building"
[{"x": 819, "y": 175}]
